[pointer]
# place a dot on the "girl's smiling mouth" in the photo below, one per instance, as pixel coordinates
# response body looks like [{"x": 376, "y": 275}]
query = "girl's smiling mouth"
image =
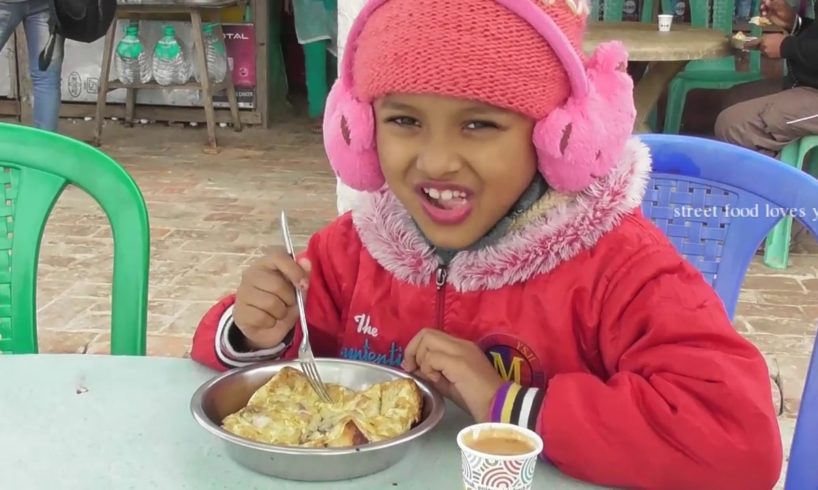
[{"x": 445, "y": 203}]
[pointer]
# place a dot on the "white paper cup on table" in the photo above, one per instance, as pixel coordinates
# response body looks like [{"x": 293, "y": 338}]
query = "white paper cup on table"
[
  {"x": 665, "y": 21},
  {"x": 498, "y": 456}
]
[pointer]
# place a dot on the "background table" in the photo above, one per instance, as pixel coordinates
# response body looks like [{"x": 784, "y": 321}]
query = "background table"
[
  {"x": 101, "y": 422},
  {"x": 136, "y": 9},
  {"x": 666, "y": 54}
]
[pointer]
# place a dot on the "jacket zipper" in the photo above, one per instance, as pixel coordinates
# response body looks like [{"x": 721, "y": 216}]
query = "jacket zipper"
[{"x": 440, "y": 283}]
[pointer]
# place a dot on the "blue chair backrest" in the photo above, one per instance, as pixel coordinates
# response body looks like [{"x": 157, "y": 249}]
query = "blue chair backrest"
[
  {"x": 802, "y": 472},
  {"x": 717, "y": 202}
]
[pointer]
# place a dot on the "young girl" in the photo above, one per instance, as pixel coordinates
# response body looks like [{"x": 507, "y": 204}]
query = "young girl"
[{"x": 501, "y": 253}]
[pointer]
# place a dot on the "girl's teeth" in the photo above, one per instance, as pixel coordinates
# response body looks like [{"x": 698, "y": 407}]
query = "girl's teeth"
[{"x": 444, "y": 195}]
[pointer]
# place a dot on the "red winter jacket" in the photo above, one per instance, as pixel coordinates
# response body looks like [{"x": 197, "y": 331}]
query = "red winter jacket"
[{"x": 616, "y": 350}]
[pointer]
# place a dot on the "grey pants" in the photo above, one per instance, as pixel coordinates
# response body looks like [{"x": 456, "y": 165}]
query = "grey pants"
[
  {"x": 755, "y": 117},
  {"x": 756, "y": 114}
]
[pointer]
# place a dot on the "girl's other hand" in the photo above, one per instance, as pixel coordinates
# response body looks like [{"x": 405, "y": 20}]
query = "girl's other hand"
[{"x": 457, "y": 368}]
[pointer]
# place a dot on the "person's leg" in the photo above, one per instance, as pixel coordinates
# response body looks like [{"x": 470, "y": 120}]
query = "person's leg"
[
  {"x": 45, "y": 84},
  {"x": 751, "y": 90},
  {"x": 10, "y": 16},
  {"x": 727, "y": 127},
  {"x": 761, "y": 123}
]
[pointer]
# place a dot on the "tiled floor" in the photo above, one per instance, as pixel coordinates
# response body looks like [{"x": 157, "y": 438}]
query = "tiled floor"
[{"x": 212, "y": 214}]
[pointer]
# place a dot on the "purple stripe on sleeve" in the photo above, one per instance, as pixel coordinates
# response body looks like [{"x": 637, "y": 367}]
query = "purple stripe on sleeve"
[{"x": 499, "y": 401}]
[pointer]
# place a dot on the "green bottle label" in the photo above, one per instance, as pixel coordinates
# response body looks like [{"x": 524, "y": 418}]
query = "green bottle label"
[
  {"x": 167, "y": 48},
  {"x": 129, "y": 48}
]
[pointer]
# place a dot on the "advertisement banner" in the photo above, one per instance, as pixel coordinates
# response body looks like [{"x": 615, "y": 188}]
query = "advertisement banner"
[{"x": 240, "y": 41}]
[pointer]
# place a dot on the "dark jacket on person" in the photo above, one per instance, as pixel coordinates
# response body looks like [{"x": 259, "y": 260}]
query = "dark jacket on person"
[{"x": 800, "y": 51}]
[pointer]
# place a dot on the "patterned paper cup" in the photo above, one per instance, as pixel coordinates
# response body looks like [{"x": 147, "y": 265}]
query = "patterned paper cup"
[{"x": 485, "y": 471}]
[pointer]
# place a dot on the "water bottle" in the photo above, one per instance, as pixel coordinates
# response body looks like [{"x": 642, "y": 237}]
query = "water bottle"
[
  {"x": 170, "y": 65},
  {"x": 132, "y": 61},
  {"x": 215, "y": 53}
]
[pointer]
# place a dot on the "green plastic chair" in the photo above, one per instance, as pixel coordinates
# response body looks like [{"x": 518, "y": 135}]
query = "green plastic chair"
[
  {"x": 35, "y": 167},
  {"x": 777, "y": 245},
  {"x": 612, "y": 10},
  {"x": 715, "y": 74}
]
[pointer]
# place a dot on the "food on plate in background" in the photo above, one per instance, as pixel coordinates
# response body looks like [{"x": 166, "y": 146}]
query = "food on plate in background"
[
  {"x": 743, "y": 41},
  {"x": 761, "y": 21}
]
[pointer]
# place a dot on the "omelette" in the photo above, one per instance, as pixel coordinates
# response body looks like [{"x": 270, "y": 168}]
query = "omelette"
[{"x": 286, "y": 411}]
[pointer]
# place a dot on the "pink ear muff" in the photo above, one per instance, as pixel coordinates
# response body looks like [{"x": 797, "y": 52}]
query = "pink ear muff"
[
  {"x": 349, "y": 139},
  {"x": 582, "y": 140}
]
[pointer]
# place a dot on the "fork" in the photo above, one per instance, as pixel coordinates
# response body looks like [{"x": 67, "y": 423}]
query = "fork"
[{"x": 305, "y": 355}]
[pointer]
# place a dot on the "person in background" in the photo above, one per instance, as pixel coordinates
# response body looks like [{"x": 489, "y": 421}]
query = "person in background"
[
  {"x": 45, "y": 84},
  {"x": 757, "y": 113}
]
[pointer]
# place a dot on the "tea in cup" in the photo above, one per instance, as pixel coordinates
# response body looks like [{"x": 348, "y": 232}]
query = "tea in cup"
[{"x": 498, "y": 456}]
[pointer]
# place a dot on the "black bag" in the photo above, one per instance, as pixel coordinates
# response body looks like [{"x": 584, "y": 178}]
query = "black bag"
[{"x": 84, "y": 21}]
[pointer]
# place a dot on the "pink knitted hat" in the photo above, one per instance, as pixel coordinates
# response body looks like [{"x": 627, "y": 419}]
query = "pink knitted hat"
[
  {"x": 472, "y": 49},
  {"x": 523, "y": 55}
]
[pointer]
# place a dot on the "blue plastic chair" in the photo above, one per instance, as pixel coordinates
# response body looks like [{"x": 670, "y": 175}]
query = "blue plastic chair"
[
  {"x": 691, "y": 173},
  {"x": 717, "y": 202},
  {"x": 802, "y": 472}
]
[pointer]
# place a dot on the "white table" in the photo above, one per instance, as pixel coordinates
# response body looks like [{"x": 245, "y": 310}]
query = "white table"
[{"x": 101, "y": 422}]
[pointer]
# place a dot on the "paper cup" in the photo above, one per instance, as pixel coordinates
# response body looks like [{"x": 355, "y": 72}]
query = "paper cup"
[
  {"x": 484, "y": 471},
  {"x": 665, "y": 21}
]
